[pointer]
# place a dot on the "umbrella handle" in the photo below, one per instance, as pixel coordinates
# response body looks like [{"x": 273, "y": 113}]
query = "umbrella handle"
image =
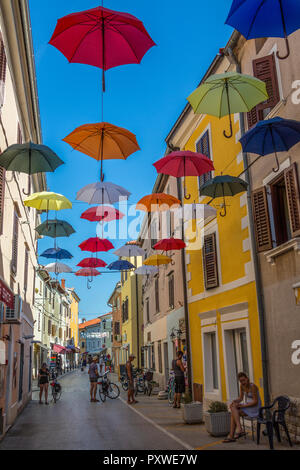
[
  {"x": 231, "y": 130},
  {"x": 277, "y": 162},
  {"x": 29, "y": 187},
  {"x": 224, "y": 206},
  {"x": 287, "y": 50},
  {"x": 88, "y": 285}
]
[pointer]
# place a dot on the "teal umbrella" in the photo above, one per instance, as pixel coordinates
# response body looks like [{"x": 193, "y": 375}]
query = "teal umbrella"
[
  {"x": 55, "y": 228},
  {"x": 221, "y": 186},
  {"x": 29, "y": 158}
]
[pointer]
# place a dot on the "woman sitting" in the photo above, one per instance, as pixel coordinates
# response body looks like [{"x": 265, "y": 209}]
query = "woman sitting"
[{"x": 247, "y": 404}]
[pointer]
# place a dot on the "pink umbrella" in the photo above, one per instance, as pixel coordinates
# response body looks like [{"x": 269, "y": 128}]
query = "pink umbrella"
[
  {"x": 102, "y": 213},
  {"x": 87, "y": 272},
  {"x": 96, "y": 244},
  {"x": 92, "y": 263},
  {"x": 102, "y": 38}
]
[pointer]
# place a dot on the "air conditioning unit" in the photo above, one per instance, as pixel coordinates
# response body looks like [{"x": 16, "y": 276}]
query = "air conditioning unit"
[
  {"x": 118, "y": 338},
  {"x": 14, "y": 314}
]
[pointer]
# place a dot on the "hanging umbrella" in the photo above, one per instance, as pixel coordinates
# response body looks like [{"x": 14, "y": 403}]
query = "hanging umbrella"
[
  {"x": 265, "y": 18},
  {"x": 102, "y": 193},
  {"x": 58, "y": 268},
  {"x": 47, "y": 201},
  {"x": 195, "y": 212},
  {"x": 55, "y": 228},
  {"x": 92, "y": 263},
  {"x": 146, "y": 270},
  {"x": 170, "y": 244},
  {"x": 57, "y": 253},
  {"x": 102, "y": 38},
  {"x": 127, "y": 251},
  {"x": 103, "y": 141},
  {"x": 228, "y": 93},
  {"x": 29, "y": 158},
  {"x": 87, "y": 272},
  {"x": 96, "y": 244},
  {"x": 157, "y": 260},
  {"x": 221, "y": 186},
  {"x": 158, "y": 201},
  {"x": 102, "y": 214},
  {"x": 271, "y": 136},
  {"x": 184, "y": 163},
  {"x": 120, "y": 265}
]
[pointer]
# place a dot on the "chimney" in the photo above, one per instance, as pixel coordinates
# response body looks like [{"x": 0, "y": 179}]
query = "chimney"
[{"x": 63, "y": 283}]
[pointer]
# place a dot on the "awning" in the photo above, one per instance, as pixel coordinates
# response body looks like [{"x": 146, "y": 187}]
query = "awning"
[{"x": 59, "y": 349}]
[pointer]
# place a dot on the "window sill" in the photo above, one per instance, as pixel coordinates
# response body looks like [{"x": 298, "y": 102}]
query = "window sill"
[{"x": 293, "y": 244}]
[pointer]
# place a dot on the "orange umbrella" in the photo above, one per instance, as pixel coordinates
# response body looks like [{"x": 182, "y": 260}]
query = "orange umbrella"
[
  {"x": 103, "y": 141},
  {"x": 157, "y": 201}
]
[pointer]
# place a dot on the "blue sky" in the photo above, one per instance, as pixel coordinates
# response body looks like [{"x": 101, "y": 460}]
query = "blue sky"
[{"x": 145, "y": 99}]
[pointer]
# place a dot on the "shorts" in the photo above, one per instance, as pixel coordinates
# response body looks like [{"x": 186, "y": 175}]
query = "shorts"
[
  {"x": 179, "y": 385},
  {"x": 93, "y": 380},
  {"x": 43, "y": 382}
]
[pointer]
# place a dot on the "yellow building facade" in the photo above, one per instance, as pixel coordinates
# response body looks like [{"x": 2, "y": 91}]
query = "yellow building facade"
[
  {"x": 222, "y": 298},
  {"x": 74, "y": 320}
]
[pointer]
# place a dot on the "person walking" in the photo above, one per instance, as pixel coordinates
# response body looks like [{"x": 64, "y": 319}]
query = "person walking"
[
  {"x": 129, "y": 372},
  {"x": 43, "y": 381},
  {"x": 94, "y": 375},
  {"x": 178, "y": 369}
]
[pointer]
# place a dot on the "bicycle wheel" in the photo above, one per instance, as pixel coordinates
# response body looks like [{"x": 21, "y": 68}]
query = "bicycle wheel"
[
  {"x": 102, "y": 394},
  {"x": 113, "y": 391},
  {"x": 54, "y": 395},
  {"x": 150, "y": 386},
  {"x": 171, "y": 395}
]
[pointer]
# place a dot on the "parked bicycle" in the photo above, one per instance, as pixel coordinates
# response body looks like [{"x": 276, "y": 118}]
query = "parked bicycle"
[
  {"x": 171, "y": 388},
  {"x": 55, "y": 387},
  {"x": 107, "y": 388},
  {"x": 148, "y": 382},
  {"x": 124, "y": 382}
]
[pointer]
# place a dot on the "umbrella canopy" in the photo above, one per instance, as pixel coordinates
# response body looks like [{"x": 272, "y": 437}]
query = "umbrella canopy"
[
  {"x": 96, "y": 244},
  {"x": 129, "y": 250},
  {"x": 265, "y": 18},
  {"x": 102, "y": 213},
  {"x": 157, "y": 260},
  {"x": 102, "y": 38},
  {"x": 184, "y": 163},
  {"x": 58, "y": 268},
  {"x": 228, "y": 93},
  {"x": 102, "y": 193},
  {"x": 87, "y": 272},
  {"x": 221, "y": 186},
  {"x": 120, "y": 265},
  {"x": 57, "y": 253},
  {"x": 157, "y": 201},
  {"x": 170, "y": 244},
  {"x": 48, "y": 201},
  {"x": 103, "y": 141},
  {"x": 195, "y": 212},
  {"x": 146, "y": 270},
  {"x": 92, "y": 263},
  {"x": 55, "y": 228},
  {"x": 271, "y": 136}
]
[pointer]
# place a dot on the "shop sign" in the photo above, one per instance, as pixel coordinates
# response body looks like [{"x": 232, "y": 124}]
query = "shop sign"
[{"x": 6, "y": 295}]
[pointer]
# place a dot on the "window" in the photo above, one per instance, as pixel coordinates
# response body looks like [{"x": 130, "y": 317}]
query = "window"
[
  {"x": 210, "y": 265},
  {"x": 147, "y": 311},
  {"x": 2, "y": 191},
  {"x": 203, "y": 146},
  {"x": 117, "y": 328},
  {"x": 49, "y": 327},
  {"x": 265, "y": 69},
  {"x": 171, "y": 289},
  {"x": 14, "y": 255},
  {"x": 154, "y": 229},
  {"x": 2, "y": 70},
  {"x": 160, "y": 367},
  {"x": 125, "y": 310},
  {"x": 26, "y": 269},
  {"x": 281, "y": 206},
  {"x": 152, "y": 357},
  {"x": 210, "y": 362},
  {"x": 156, "y": 294}
]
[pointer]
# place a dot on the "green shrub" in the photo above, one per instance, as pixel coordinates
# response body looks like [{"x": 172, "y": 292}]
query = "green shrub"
[
  {"x": 217, "y": 407},
  {"x": 187, "y": 398}
]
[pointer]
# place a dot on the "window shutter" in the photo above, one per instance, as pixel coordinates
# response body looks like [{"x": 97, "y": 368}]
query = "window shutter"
[
  {"x": 293, "y": 198},
  {"x": 171, "y": 290},
  {"x": 265, "y": 69},
  {"x": 203, "y": 147},
  {"x": 156, "y": 295},
  {"x": 2, "y": 191},
  {"x": 2, "y": 70},
  {"x": 14, "y": 258},
  {"x": 210, "y": 261},
  {"x": 26, "y": 269},
  {"x": 261, "y": 220},
  {"x": 252, "y": 117}
]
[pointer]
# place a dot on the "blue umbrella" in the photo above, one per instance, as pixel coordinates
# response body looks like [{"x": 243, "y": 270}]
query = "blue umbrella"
[
  {"x": 57, "y": 253},
  {"x": 271, "y": 136},
  {"x": 265, "y": 18},
  {"x": 121, "y": 265}
]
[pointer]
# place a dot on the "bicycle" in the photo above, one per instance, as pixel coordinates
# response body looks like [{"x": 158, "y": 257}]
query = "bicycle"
[
  {"x": 107, "y": 388},
  {"x": 171, "y": 389},
  {"x": 124, "y": 382},
  {"x": 56, "y": 388},
  {"x": 148, "y": 381}
]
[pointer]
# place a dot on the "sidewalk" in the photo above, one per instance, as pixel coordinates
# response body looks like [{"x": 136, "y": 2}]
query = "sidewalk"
[
  {"x": 193, "y": 436},
  {"x": 35, "y": 387}
]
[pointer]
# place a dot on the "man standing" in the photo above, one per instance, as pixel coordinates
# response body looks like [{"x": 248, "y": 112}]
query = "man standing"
[
  {"x": 129, "y": 371},
  {"x": 94, "y": 374}
]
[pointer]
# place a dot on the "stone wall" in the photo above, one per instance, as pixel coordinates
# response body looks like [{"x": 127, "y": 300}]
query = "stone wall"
[{"x": 293, "y": 420}]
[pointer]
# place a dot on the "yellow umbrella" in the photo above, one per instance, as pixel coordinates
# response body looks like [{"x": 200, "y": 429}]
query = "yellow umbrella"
[
  {"x": 47, "y": 201},
  {"x": 157, "y": 260}
]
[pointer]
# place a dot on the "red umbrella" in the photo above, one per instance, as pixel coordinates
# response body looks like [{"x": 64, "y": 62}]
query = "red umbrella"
[
  {"x": 102, "y": 38},
  {"x": 102, "y": 213},
  {"x": 96, "y": 244},
  {"x": 184, "y": 163},
  {"x": 87, "y": 272},
  {"x": 169, "y": 244},
  {"x": 92, "y": 263}
]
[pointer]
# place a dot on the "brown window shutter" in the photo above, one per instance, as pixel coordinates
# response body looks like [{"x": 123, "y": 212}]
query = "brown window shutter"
[
  {"x": 210, "y": 261},
  {"x": 14, "y": 257},
  {"x": 265, "y": 69},
  {"x": 261, "y": 220},
  {"x": 293, "y": 198},
  {"x": 2, "y": 70},
  {"x": 252, "y": 117},
  {"x": 2, "y": 191},
  {"x": 26, "y": 269}
]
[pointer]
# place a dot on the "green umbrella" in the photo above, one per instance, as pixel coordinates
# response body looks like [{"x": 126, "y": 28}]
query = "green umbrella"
[
  {"x": 29, "y": 158},
  {"x": 228, "y": 93},
  {"x": 221, "y": 186},
  {"x": 55, "y": 228}
]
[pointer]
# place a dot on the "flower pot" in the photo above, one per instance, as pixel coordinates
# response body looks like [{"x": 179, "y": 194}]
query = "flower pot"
[
  {"x": 193, "y": 413},
  {"x": 217, "y": 424}
]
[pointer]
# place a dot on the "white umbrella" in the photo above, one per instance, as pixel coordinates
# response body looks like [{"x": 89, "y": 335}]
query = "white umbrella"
[
  {"x": 127, "y": 251},
  {"x": 146, "y": 270},
  {"x": 58, "y": 268},
  {"x": 102, "y": 193}
]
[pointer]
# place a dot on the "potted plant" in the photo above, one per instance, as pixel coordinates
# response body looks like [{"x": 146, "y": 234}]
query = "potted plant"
[
  {"x": 217, "y": 419},
  {"x": 192, "y": 410}
]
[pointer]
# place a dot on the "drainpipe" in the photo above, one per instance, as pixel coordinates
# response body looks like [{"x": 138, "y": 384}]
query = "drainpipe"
[
  {"x": 137, "y": 321},
  {"x": 258, "y": 283}
]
